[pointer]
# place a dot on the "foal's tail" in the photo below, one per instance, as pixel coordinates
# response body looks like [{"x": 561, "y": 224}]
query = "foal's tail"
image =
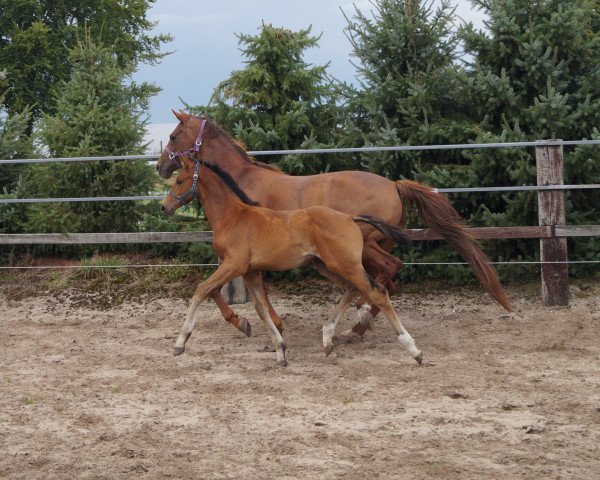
[
  {"x": 440, "y": 215},
  {"x": 390, "y": 231}
]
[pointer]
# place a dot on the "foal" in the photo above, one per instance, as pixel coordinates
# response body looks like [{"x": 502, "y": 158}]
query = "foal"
[{"x": 249, "y": 239}]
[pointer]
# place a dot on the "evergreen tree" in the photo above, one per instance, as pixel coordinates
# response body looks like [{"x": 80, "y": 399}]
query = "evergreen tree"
[
  {"x": 14, "y": 143},
  {"x": 534, "y": 76},
  {"x": 36, "y": 35},
  {"x": 97, "y": 113},
  {"x": 278, "y": 101},
  {"x": 411, "y": 88}
]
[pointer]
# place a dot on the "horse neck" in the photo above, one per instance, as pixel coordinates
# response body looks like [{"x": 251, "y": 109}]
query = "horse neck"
[
  {"x": 219, "y": 202},
  {"x": 221, "y": 150}
]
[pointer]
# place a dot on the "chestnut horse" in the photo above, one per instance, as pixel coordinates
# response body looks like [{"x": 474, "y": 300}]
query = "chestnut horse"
[
  {"x": 351, "y": 192},
  {"x": 249, "y": 239}
]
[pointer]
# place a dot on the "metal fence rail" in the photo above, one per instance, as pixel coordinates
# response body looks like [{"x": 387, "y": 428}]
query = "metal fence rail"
[
  {"x": 397, "y": 148},
  {"x": 523, "y": 188},
  {"x": 551, "y": 232},
  {"x": 203, "y": 265}
]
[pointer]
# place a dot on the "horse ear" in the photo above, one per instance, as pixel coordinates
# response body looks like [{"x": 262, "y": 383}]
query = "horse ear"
[{"x": 181, "y": 116}]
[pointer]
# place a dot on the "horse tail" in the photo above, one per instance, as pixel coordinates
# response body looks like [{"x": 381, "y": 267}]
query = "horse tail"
[
  {"x": 439, "y": 214},
  {"x": 390, "y": 231}
]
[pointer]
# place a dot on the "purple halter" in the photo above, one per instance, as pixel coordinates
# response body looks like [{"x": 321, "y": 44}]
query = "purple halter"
[{"x": 188, "y": 153}]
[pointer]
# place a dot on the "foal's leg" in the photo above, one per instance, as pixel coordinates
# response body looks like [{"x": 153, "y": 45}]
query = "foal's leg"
[
  {"x": 258, "y": 294},
  {"x": 350, "y": 293},
  {"x": 230, "y": 316},
  {"x": 383, "y": 266},
  {"x": 378, "y": 295},
  {"x": 358, "y": 277},
  {"x": 223, "y": 274},
  {"x": 329, "y": 328},
  {"x": 272, "y": 313}
]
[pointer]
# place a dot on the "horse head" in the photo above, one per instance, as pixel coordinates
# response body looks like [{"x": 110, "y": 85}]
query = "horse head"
[
  {"x": 185, "y": 188},
  {"x": 184, "y": 141}
]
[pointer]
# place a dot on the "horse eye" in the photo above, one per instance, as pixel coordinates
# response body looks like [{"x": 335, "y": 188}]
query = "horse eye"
[
  {"x": 172, "y": 138},
  {"x": 178, "y": 182}
]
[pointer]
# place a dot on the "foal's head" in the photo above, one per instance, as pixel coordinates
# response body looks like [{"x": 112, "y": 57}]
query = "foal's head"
[
  {"x": 185, "y": 188},
  {"x": 182, "y": 142}
]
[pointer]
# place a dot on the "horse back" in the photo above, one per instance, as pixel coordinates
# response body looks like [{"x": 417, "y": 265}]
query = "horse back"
[{"x": 350, "y": 192}]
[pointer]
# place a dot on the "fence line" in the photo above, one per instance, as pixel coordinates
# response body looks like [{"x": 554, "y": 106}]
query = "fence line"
[
  {"x": 523, "y": 188},
  {"x": 398, "y": 148},
  {"x": 552, "y": 231},
  {"x": 189, "y": 265}
]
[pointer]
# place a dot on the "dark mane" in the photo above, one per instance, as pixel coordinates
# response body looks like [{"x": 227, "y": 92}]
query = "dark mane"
[
  {"x": 230, "y": 183},
  {"x": 212, "y": 130}
]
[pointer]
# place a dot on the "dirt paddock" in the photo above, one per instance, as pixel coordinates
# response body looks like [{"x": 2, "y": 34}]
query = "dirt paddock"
[{"x": 96, "y": 394}]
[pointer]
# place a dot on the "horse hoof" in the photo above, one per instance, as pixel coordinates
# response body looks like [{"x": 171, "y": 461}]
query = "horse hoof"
[
  {"x": 245, "y": 327},
  {"x": 328, "y": 350},
  {"x": 282, "y": 363},
  {"x": 178, "y": 351},
  {"x": 419, "y": 357}
]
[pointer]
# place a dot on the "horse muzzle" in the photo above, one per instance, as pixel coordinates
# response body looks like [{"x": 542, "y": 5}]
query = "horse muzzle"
[{"x": 168, "y": 209}]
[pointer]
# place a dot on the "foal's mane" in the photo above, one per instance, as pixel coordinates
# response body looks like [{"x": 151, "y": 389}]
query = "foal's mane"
[
  {"x": 230, "y": 183},
  {"x": 212, "y": 130}
]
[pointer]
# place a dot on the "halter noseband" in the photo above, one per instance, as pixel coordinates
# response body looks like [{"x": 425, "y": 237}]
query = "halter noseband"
[
  {"x": 193, "y": 191},
  {"x": 190, "y": 152}
]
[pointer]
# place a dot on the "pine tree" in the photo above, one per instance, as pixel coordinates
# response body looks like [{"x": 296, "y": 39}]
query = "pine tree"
[
  {"x": 97, "y": 114},
  {"x": 14, "y": 143},
  {"x": 534, "y": 76},
  {"x": 411, "y": 88},
  {"x": 278, "y": 101},
  {"x": 36, "y": 36}
]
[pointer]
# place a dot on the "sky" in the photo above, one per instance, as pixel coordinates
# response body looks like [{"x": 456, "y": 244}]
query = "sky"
[{"x": 206, "y": 50}]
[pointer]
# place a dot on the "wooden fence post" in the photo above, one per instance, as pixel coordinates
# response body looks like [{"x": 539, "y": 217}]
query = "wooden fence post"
[
  {"x": 235, "y": 291},
  {"x": 551, "y": 212}
]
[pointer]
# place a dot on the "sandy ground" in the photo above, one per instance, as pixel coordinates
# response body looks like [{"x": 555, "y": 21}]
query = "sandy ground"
[{"x": 96, "y": 393}]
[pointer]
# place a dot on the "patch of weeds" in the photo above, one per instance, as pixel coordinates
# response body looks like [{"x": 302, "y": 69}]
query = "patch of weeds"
[
  {"x": 115, "y": 389},
  {"x": 101, "y": 266},
  {"x": 58, "y": 280},
  {"x": 28, "y": 400},
  {"x": 6, "y": 276}
]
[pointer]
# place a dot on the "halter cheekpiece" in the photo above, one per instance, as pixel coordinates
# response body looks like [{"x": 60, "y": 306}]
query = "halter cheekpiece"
[
  {"x": 190, "y": 152},
  {"x": 192, "y": 191}
]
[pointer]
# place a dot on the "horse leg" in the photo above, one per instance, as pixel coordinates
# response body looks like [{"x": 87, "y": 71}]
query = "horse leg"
[
  {"x": 223, "y": 274},
  {"x": 355, "y": 274},
  {"x": 378, "y": 295},
  {"x": 350, "y": 293},
  {"x": 230, "y": 316},
  {"x": 385, "y": 266},
  {"x": 256, "y": 288},
  {"x": 272, "y": 313},
  {"x": 329, "y": 328}
]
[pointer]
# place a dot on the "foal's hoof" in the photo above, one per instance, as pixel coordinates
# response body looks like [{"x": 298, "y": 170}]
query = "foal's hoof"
[
  {"x": 178, "y": 351},
  {"x": 419, "y": 357},
  {"x": 328, "y": 350},
  {"x": 245, "y": 327},
  {"x": 282, "y": 363}
]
